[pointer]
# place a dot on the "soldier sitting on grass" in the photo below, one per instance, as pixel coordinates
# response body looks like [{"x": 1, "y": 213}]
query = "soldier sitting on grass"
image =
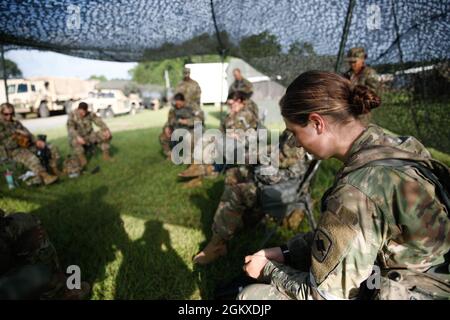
[
  {"x": 19, "y": 145},
  {"x": 82, "y": 134}
]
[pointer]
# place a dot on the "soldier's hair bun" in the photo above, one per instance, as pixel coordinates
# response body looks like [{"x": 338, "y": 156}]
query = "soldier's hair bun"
[{"x": 363, "y": 100}]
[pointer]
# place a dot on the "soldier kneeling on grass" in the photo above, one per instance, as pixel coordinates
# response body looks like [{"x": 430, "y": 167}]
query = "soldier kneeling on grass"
[
  {"x": 82, "y": 134},
  {"x": 29, "y": 267},
  {"x": 19, "y": 145},
  {"x": 245, "y": 199}
]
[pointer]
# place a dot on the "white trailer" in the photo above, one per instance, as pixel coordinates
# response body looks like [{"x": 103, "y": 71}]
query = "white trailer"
[{"x": 212, "y": 78}]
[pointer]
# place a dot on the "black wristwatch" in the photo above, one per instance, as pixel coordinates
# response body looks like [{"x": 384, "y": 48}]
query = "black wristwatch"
[{"x": 286, "y": 254}]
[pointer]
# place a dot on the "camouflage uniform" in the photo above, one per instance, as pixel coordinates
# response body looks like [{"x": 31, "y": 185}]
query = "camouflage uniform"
[
  {"x": 244, "y": 119},
  {"x": 28, "y": 260},
  {"x": 239, "y": 200},
  {"x": 189, "y": 113},
  {"x": 9, "y": 147},
  {"x": 191, "y": 92},
  {"x": 83, "y": 127},
  {"x": 367, "y": 77},
  {"x": 253, "y": 107},
  {"x": 241, "y": 85},
  {"x": 381, "y": 216}
]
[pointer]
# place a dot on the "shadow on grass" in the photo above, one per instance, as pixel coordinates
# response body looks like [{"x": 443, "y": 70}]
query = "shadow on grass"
[
  {"x": 160, "y": 275},
  {"x": 88, "y": 232}
]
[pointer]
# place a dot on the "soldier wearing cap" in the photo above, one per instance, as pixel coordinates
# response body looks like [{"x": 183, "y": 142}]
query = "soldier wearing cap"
[
  {"x": 240, "y": 84},
  {"x": 190, "y": 89},
  {"x": 359, "y": 73}
]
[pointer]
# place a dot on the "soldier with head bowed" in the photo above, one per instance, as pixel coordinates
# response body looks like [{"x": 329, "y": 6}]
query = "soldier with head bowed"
[
  {"x": 80, "y": 126},
  {"x": 384, "y": 231}
]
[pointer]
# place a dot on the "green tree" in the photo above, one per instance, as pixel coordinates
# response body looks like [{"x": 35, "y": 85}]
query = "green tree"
[
  {"x": 303, "y": 49},
  {"x": 260, "y": 45},
  {"x": 12, "y": 70},
  {"x": 152, "y": 72},
  {"x": 100, "y": 78}
]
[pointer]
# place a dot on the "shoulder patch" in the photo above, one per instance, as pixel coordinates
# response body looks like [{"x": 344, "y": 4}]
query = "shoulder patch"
[
  {"x": 332, "y": 240},
  {"x": 321, "y": 245}
]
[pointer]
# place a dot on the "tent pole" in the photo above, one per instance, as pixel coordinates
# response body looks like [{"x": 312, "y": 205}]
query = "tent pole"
[
  {"x": 5, "y": 76},
  {"x": 348, "y": 21}
]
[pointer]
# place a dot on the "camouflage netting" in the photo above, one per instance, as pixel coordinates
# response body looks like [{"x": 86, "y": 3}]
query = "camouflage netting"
[{"x": 280, "y": 38}]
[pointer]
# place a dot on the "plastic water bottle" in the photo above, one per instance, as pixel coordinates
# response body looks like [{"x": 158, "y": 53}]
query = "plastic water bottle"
[{"x": 9, "y": 179}]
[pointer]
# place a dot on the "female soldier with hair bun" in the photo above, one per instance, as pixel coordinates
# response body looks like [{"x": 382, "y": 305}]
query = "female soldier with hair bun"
[{"x": 384, "y": 228}]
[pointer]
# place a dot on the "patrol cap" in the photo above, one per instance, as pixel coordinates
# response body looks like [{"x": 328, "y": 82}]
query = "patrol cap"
[
  {"x": 42, "y": 137},
  {"x": 356, "y": 53}
]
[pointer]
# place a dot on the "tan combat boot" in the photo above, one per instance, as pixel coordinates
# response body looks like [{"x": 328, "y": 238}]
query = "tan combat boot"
[
  {"x": 210, "y": 172},
  {"x": 215, "y": 249},
  {"x": 55, "y": 171},
  {"x": 194, "y": 183},
  {"x": 47, "y": 178},
  {"x": 194, "y": 170}
]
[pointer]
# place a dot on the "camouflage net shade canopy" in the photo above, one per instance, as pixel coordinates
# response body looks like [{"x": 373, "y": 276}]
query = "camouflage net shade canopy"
[{"x": 281, "y": 38}]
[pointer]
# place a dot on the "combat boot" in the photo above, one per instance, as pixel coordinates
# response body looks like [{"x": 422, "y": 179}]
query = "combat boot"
[
  {"x": 194, "y": 183},
  {"x": 194, "y": 170},
  {"x": 47, "y": 178},
  {"x": 106, "y": 155},
  {"x": 210, "y": 172},
  {"x": 215, "y": 249},
  {"x": 55, "y": 171}
]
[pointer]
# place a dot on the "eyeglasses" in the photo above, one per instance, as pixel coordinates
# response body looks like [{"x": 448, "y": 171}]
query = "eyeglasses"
[{"x": 7, "y": 114}]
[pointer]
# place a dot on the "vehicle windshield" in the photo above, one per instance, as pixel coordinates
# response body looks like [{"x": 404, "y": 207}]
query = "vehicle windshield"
[{"x": 21, "y": 88}]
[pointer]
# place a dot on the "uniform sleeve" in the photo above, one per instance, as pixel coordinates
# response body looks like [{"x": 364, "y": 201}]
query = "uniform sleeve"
[
  {"x": 197, "y": 116},
  {"x": 197, "y": 93},
  {"x": 345, "y": 244},
  {"x": 171, "y": 119},
  {"x": 343, "y": 250},
  {"x": 21, "y": 127},
  {"x": 372, "y": 80},
  {"x": 6, "y": 139},
  {"x": 72, "y": 126},
  {"x": 99, "y": 122},
  {"x": 248, "y": 86}
]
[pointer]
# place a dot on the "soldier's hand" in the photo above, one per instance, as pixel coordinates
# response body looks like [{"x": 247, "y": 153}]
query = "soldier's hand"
[
  {"x": 80, "y": 140},
  {"x": 40, "y": 144},
  {"x": 182, "y": 121},
  {"x": 274, "y": 254},
  {"x": 254, "y": 265}
]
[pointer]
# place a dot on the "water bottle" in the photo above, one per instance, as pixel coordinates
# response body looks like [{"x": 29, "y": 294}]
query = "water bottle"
[{"x": 9, "y": 179}]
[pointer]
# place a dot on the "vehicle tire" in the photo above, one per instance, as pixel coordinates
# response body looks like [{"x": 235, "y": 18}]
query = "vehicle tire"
[
  {"x": 107, "y": 113},
  {"x": 43, "y": 110},
  {"x": 68, "y": 107}
]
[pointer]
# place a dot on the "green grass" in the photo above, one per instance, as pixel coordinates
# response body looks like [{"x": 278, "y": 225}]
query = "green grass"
[{"x": 132, "y": 228}]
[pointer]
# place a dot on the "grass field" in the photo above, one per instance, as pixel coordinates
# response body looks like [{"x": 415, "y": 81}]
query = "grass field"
[{"x": 132, "y": 228}]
